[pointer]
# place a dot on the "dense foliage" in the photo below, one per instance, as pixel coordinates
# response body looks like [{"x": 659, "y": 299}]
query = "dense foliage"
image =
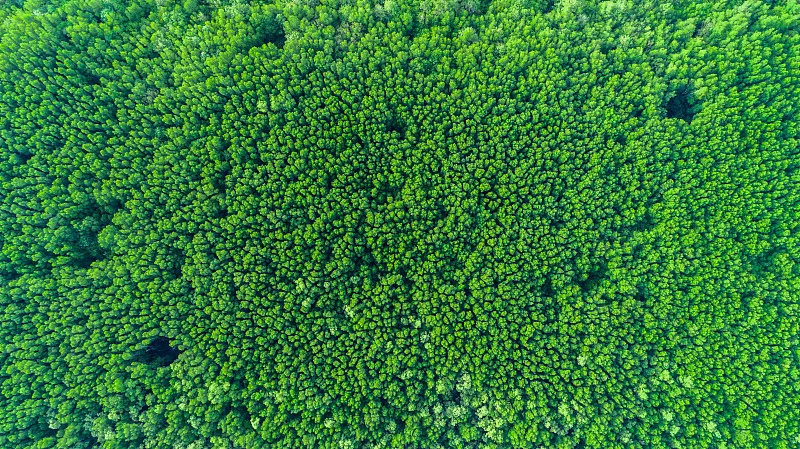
[{"x": 399, "y": 224}]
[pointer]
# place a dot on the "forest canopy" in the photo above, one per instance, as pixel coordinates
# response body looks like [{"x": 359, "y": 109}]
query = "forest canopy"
[{"x": 399, "y": 224}]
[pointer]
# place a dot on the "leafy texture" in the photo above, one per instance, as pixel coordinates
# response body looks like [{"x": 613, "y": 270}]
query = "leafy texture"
[{"x": 399, "y": 224}]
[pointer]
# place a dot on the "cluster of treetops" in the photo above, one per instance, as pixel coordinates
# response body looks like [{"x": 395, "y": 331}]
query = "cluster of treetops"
[{"x": 425, "y": 224}]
